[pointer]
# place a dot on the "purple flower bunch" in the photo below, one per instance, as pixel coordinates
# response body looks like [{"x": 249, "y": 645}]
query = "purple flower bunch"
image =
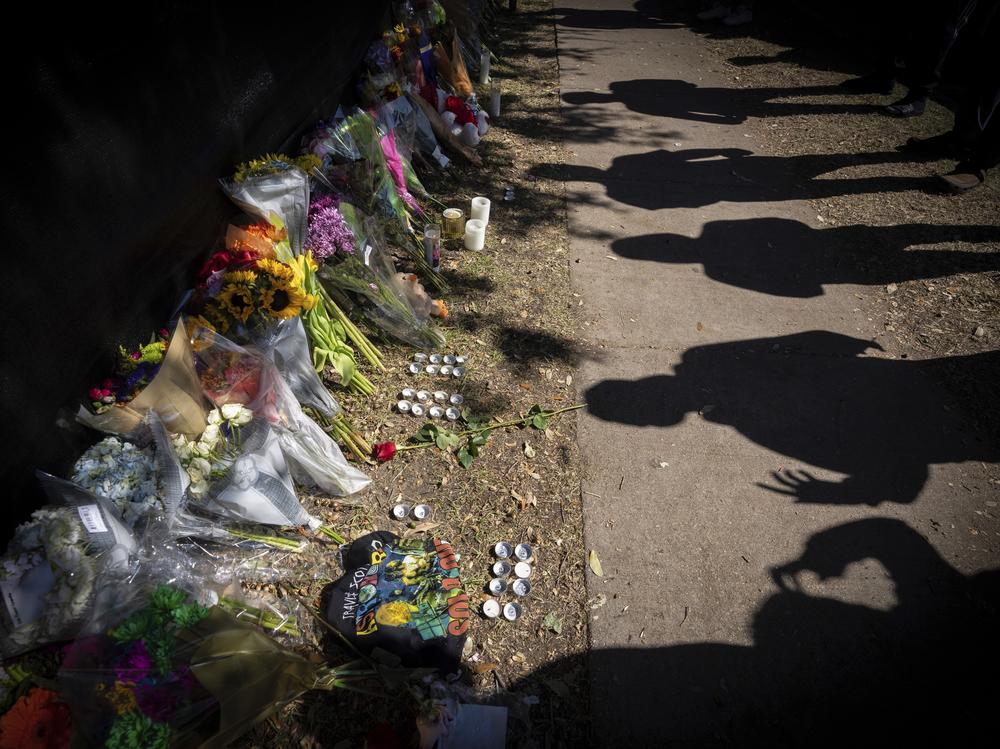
[{"x": 328, "y": 231}]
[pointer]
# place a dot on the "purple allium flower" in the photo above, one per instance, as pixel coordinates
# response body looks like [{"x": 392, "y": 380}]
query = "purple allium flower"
[{"x": 328, "y": 231}]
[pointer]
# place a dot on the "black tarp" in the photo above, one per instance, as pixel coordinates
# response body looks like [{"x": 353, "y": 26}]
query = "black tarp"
[{"x": 118, "y": 125}]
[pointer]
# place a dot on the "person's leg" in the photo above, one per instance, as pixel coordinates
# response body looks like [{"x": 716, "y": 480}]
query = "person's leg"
[{"x": 930, "y": 48}]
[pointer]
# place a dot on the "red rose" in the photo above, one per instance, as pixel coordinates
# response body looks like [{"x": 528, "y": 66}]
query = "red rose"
[
  {"x": 385, "y": 451},
  {"x": 95, "y": 394}
]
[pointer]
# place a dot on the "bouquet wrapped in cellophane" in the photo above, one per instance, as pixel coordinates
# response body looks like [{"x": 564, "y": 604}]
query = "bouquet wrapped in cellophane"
[
  {"x": 48, "y": 573},
  {"x": 354, "y": 163},
  {"x": 367, "y": 280},
  {"x": 167, "y": 670}
]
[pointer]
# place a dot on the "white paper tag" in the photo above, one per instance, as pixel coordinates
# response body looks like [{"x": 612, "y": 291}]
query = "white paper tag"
[
  {"x": 92, "y": 519},
  {"x": 368, "y": 254},
  {"x": 25, "y": 597}
]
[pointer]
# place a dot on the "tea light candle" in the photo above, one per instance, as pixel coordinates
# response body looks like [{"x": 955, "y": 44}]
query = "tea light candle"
[
  {"x": 475, "y": 234},
  {"x": 453, "y": 218},
  {"x": 480, "y": 209}
]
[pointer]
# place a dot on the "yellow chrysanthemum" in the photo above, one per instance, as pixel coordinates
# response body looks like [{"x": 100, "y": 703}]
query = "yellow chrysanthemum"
[
  {"x": 237, "y": 299},
  {"x": 309, "y": 301},
  {"x": 240, "y": 276},
  {"x": 282, "y": 300},
  {"x": 276, "y": 269}
]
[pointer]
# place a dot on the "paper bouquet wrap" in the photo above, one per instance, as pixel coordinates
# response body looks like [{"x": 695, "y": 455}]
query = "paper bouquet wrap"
[{"x": 174, "y": 394}]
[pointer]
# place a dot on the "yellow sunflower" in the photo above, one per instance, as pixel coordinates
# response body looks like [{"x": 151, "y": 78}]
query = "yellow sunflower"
[
  {"x": 237, "y": 299},
  {"x": 276, "y": 269},
  {"x": 240, "y": 276},
  {"x": 282, "y": 300},
  {"x": 216, "y": 317}
]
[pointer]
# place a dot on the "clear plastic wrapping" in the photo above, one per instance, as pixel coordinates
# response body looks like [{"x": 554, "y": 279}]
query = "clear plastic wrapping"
[
  {"x": 48, "y": 574},
  {"x": 233, "y": 374}
]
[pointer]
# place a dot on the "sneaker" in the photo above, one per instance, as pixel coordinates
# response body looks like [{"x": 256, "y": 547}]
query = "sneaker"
[
  {"x": 963, "y": 179},
  {"x": 907, "y": 107},
  {"x": 742, "y": 15},
  {"x": 716, "y": 11},
  {"x": 873, "y": 83}
]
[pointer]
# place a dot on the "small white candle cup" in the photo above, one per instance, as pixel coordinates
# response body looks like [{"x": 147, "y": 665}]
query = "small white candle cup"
[
  {"x": 482, "y": 122},
  {"x": 475, "y": 234},
  {"x": 480, "y": 209}
]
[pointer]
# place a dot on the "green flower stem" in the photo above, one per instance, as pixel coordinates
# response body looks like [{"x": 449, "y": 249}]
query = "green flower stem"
[
  {"x": 479, "y": 430},
  {"x": 332, "y": 534},
  {"x": 264, "y": 619},
  {"x": 364, "y": 345},
  {"x": 278, "y": 542}
]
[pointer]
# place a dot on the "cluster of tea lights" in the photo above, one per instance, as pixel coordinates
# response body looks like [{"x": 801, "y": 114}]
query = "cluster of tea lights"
[
  {"x": 516, "y": 559},
  {"x": 433, "y": 403},
  {"x": 442, "y": 365}
]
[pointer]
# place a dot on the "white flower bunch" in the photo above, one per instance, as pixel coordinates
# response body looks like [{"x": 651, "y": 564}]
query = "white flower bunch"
[
  {"x": 54, "y": 537},
  {"x": 206, "y": 456},
  {"x": 123, "y": 473}
]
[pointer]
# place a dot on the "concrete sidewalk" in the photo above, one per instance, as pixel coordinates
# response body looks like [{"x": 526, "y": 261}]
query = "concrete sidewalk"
[{"x": 730, "y": 353}]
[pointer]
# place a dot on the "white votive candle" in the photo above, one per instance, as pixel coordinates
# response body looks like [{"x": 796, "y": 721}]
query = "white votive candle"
[
  {"x": 475, "y": 234},
  {"x": 480, "y": 209}
]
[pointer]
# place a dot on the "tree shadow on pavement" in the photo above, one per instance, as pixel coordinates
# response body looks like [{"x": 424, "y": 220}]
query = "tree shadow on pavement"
[
  {"x": 788, "y": 258},
  {"x": 701, "y": 176},
  {"x": 820, "y": 671},
  {"x": 814, "y": 397},
  {"x": 723, "y": 106}
]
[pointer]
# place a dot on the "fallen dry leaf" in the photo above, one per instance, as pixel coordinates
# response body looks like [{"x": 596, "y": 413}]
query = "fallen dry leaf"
[
  {"x": 529, "y": 451},
  {"x": 595, "y": 563},
  {"x": 482, "y": 668}
]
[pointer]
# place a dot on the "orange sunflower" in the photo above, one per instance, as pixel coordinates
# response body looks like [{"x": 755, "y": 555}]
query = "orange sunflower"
[{"x": 37, "y": 721}]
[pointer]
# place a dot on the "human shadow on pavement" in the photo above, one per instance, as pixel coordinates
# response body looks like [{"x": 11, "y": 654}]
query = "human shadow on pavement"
[
  {"x": 815, "y": 398},
  {"x": 820, "y": 671},
  {"x": 722, "y": 106},
  {"x": 701, "y": 176},
  {"x": 788, "y": 258}
]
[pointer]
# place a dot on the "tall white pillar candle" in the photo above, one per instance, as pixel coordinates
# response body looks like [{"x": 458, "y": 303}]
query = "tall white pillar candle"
[
  {"x": 484, "y": 67},
  {"x": 475, "y": 234},
  {"x": 480, "y": 209}
]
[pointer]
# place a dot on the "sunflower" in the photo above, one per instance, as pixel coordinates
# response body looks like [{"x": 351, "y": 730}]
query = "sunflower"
[
  {"x": 37, "y": 721},
  {"x": 240, "y": 276},
  {"x": 216, "y": 317},
  {"x": 237, "y": 299},
  {"x": 282, "y": 300},
  {"x": 276, "y": 269}
]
